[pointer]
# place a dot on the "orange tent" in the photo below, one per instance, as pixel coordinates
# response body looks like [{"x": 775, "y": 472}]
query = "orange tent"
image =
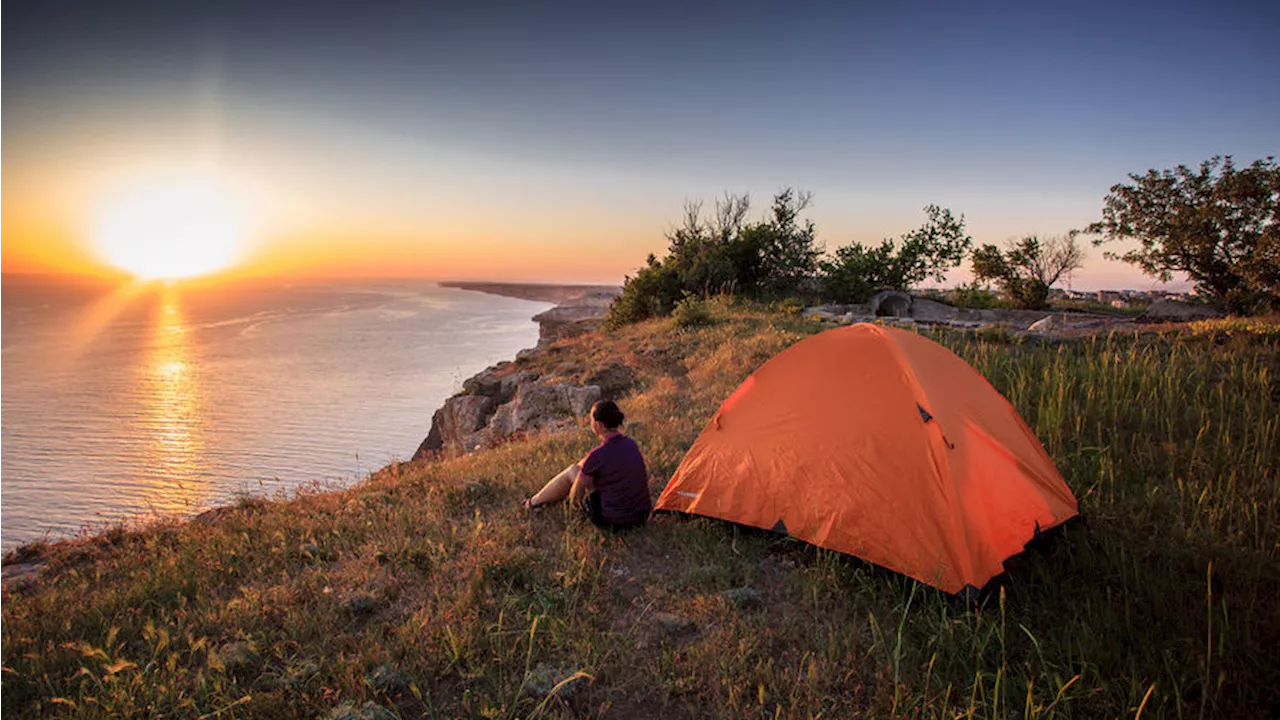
[{"x": 882, "y": 444}]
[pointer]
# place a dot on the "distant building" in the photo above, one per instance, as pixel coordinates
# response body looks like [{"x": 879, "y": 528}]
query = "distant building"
[{"x": 1107, "y": 296}]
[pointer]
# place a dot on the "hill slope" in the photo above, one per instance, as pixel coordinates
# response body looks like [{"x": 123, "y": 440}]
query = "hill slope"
[{"x": 427, "y": 592}]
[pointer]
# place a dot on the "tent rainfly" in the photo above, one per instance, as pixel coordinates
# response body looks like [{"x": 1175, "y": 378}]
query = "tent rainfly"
[{"x": 882, "y": 444}]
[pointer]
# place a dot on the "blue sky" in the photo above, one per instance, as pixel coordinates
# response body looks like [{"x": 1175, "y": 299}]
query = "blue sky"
[{"x": 572, "y": 133}]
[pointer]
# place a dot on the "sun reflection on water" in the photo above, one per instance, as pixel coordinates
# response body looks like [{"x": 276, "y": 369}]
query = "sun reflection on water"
[{"x": 174, "y": 413}]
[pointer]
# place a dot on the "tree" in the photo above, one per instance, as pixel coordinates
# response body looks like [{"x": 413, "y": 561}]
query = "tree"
[
  {"x": 1029, "y": 267},
  {"x": 654, "y": 291},
  {"x": 929, "y": 251},
  {"x": 789, "y": 248},
  {"x": 725, "y": 253},
  {"x": 1219, "y": 225}
]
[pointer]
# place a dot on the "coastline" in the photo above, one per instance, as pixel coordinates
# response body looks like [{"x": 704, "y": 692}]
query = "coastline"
[
  {"x": 572, "y": 305},
  {"x": 578, "y": 308},
  {"x": 539, "y": 292},
  {"x": 510, "y": 398}
]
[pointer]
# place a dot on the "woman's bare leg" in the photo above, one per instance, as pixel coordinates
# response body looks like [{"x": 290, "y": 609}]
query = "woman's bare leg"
[{"x": 558, "y": 487}]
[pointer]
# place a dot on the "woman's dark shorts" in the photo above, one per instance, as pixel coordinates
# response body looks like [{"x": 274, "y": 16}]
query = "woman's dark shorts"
[{"x": 592, "y": 509}]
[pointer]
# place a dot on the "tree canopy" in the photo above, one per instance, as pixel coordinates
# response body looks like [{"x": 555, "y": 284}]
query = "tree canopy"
[
  {"x": 778, "y": 255},
  {"x": 1219, "y": 224},
  {"x": 1028, "y": 267},
  {"x": 929, "y": 251},
  {"x": 725, "y": 252}
]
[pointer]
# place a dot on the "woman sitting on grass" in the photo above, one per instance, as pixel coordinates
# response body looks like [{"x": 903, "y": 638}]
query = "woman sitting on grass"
[{"x": 610, "y": 484}]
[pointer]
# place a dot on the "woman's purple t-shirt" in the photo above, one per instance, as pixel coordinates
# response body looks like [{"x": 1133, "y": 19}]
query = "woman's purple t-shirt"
[{"x": 621, "y": 479}]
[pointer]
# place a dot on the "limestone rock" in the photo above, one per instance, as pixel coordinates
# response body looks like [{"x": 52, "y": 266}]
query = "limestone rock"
[
  {"x": 574, "y": 317},
  {"x": 614, "y": 380},
  {"x": 455, "y": 424},
  {"x": 1047, "y": 325},
  {"x": 485, "y": 382},
  {"x": 369, "y": 711},
  {"x": 461, "y": 424},
  {"x": 1179, "y": 311},
  {"x": 743, "y": 597},
  {"x": 537, "y": 405},
  {"x": 502, "y": 400},
  {"x": 509, "y": 403},
  {"x": 497, "y": 382},
  {"x": 509, "y": 384},
  {"x": 856, "y": 314},
  {"x": 579, "y": 398},
  {"x": 388, "y": 679},
  {"x": 924, "y": 309},
  {"x": 465, "y": 414},
  {"x": 826, "y": 312}
]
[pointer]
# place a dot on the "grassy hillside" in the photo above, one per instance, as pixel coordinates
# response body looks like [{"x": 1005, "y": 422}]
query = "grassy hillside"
[{"x": 427, "y": 593}]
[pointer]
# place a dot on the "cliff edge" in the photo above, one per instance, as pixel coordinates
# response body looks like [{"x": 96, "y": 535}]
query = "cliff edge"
[{"x": 514, "y": 398}]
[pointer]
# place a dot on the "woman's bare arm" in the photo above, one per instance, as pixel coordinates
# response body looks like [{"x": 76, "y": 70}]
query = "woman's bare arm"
[{"x": 583, "y": 485}]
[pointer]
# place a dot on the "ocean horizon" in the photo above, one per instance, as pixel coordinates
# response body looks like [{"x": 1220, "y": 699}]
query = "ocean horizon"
[{"x": 131, "y": 405}]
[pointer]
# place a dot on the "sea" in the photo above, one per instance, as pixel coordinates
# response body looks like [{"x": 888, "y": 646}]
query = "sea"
[{"x": 126, "y": 403}]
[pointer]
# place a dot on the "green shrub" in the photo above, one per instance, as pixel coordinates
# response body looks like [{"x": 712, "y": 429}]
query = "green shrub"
[
  {"x": 976, "y": 296},
  {"x": 652, "y": 292},
  {"x": 761, "y": 260},
  {"x": 1027, "y": 268},
  {"x": 788, "y": 306},
  {"x": 855, "y": 273},
  {"x": 692, "y": 312}
]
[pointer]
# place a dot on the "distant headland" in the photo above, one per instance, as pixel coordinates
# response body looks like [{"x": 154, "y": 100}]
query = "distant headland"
[{"x": 540, "y": 292}]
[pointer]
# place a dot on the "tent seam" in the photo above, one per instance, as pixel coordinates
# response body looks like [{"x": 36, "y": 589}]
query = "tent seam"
[{"x": 942, "y": 461}]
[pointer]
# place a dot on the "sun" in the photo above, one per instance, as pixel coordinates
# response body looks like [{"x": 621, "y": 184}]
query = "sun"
[{"x": 170, "y": 228}]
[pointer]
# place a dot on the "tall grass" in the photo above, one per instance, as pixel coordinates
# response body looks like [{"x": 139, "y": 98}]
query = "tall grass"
[{"x": 427, "y": 592}]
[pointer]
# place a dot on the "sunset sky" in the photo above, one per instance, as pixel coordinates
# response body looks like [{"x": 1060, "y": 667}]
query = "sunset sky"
[{"x": 558, "y": 142}]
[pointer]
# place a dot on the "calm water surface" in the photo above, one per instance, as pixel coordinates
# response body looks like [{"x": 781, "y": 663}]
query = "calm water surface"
[{"x": 172, "y": 400}]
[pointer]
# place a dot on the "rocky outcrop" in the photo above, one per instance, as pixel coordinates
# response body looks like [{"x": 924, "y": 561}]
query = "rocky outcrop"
[
  {"x": 839, "y": 313},
  {"x": 1178, "y": 311},
  {"x": 505, "y": 401},
  {"x": 536, "y": 406},
  {"x": 580, "y": 308},
  {"x": 459, "y": 423},
  {"x": 1046, "y": 326},
  {"x": 500, "y": 403},
  {"x": 574, "y": 317},
  {"x": 890, "y": 306},
  {"x": 614, "y": 379}
]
